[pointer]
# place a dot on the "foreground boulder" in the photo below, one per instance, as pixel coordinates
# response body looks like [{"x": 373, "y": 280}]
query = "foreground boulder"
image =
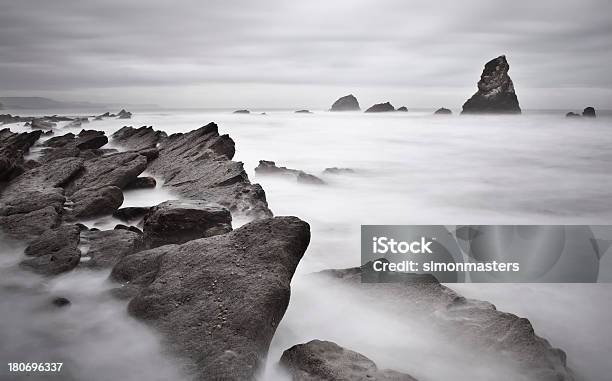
[
  {"x": 197, "y": 165},
  {"x": 93, "y": 202},
  {"x": 381, "y": 107},
  {"x": 106, "y": 248},
  {"x": 477, "y": 324},
  {"x": 181, "y": 221},
  {"x": 267, "y": 167},
  {"x": 589, "y": 112},
  {"x": 54, "y": 252},
  {"x": 495, "y": 91},
  {"x": 346, "y": 103},
  {"x": 218, "y": 300},
  {"x": 324, "y": 360}
]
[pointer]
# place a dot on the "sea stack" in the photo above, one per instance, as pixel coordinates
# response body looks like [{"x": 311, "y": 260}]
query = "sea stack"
[
  {"x": 381, "y": 107},
  {"x": 495, "y": 93},
  {"x": 589, "y": 112},
  {"x": 346, "y": 103}
]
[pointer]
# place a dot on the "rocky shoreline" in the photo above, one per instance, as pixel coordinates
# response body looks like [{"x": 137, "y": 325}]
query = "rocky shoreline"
[{"x": 216, "y": 294}]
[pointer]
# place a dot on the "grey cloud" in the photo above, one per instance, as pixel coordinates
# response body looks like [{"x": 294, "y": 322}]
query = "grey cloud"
[{"x": 75, "y": 47}]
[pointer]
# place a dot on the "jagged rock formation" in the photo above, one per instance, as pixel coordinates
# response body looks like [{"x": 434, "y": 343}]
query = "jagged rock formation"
[
  {"x": 124, "y": 114},
  {"x": 13, "y": 147},
  {"x": 381, "y": 107},
  {"x": 268, "y": 168},
  {"x": 198, "y": 166},
  {"x": 346, "y": 103},
  {"x": 443, "y": 111},
  {"x": 589, "y": 112},
  {"x": 475, "y": 323},
  {"x": 495, "y": 91},
  {"x": 181, "y": 221},
  {"x": 218, "y": 300},
  {"x": 324, "y": 360}
]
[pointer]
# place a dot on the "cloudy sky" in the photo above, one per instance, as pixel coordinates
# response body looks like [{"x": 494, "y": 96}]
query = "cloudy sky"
[{"x": 290, "y": 54}]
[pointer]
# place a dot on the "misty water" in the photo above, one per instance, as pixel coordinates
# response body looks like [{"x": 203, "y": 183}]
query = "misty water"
[{"x": 410, "y": 168}]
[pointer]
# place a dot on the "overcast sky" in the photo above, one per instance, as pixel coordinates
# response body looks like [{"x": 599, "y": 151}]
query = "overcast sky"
[{"x": 283, "y": 53}]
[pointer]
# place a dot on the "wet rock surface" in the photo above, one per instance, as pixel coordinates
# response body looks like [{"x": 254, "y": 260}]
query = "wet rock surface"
[
  {"x": 474, "y": 322},
  {"x": 325, "y": 360},
  {"x": 13, "y": 147},
  {"x": 218, "y": 300},
  {"x": 495, "y": 91},
  {"x": 269, "y": 168},
  {"x": 106, "y": 248},
  {"x": 197, "y": 165},
  {"x": 54, "y": 252},
  {"x": 346, "y": 103},
  {"x": 182, "y": 221},
  {"x": 381, "y": 107}
]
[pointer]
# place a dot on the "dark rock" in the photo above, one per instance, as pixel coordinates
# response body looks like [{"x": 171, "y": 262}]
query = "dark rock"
[
  {"x": 242, "y": 112},
  {"x": 54, "y": 252},
  {"x": 108, "y": 247},
  {"x": 381, "y": 107},
  {"x": 137, "y": 139},
  {"x": 41, "y": 124},
  {"x": 117, "y": 170},
  {"x": 31, "y": 200},
  {"x": 182, "y": 221},
  {"x": 572, "y": 115},
  {"x": 495, "y": 91},
  {"x": 218, "y": 300},
  {"x": 402, "y": 109},
  {"x": 346, "y": 103},
  {"x": 477, "y": 324},
  {"x": 30, "y": 225},
  {"x": 91, "y": 139},
  {"x": 141, "y": 183},
  {"x": 130, "y": 228},
  {"x": 57, "y": 118},
  {"x": 60, "y": 302},
  {"x": 59, "y": 141},
  {"x": 197, "y": 165},
  {"x": 267, "y": 167},
  {"x": 124, "y": 114},
  {"x": 337, "y": 171},
  {"x": 324, "y": 360},
  {"x": 131, "y": 213},
  {"x": 13, "y": 147},
  {"x": 303, "y": 112},
  {"x": 93, "y": 202},
  {"x": 589, "y": 112},
  {"x": 443, "y": 111}
]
